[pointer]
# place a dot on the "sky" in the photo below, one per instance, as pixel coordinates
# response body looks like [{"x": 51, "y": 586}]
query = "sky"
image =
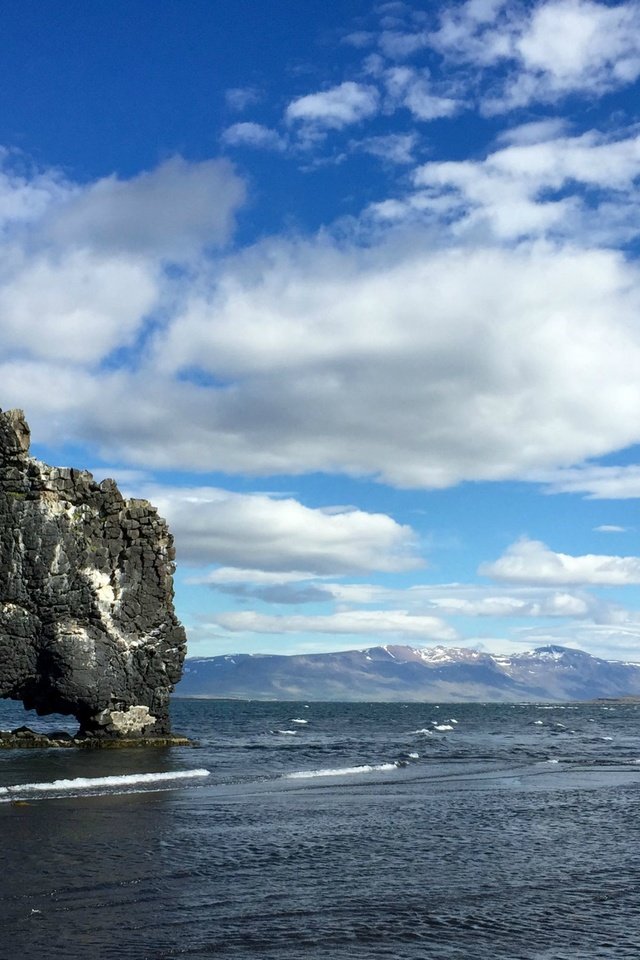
[{"x": 351, "y": 292}]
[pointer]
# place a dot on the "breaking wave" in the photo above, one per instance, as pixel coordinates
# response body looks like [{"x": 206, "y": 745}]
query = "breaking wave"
[
  {"x": 84, "y": 784},
  {"x": 340, "y": 771}
]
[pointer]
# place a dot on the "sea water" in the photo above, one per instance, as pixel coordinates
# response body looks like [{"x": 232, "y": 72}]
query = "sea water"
[{"x": 334, "y": 831}]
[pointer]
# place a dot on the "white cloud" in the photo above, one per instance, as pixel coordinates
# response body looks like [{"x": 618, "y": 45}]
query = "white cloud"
[
  {"x": 239, "y": 98},
  {"x": 535, "y": 131},
  {"x": 458, "y": 600},
  {"x": 413, "y": 89},
  {"x": 359, "y": 38},
  {"x": 253, "y": 135},
  {"x": 580, "y": 45},
  {"x": 25, "y": 198},
  {"x": 398, "y": 45},
  {"x": 337, "y": 107},
  {"x": 223, "y": 576},
  {"x": 475, "y": 32},
  {"x": 211, "y": 525},
  {"x": 477, "y": 600},
  {"x": 82, "y": 270},
  {"x": 530, "y": 561},
  {"x": 171, "y": 211},
  {"x": 424, "y": 369},
  {"x": 77, "y": 307},
  {"x": 509, "y": 191},
  {"x": 372, "y": 623},
  {"x": 416, "y": 365},
  {"x": 394, "y": 147},
  {"x": 610, "y": 528},
  {"x": 552, "y": 49},
  {"x": 614, "y": 641},
  {"x": 552, "y": 605},
  {"x": 596, "y": 482}
]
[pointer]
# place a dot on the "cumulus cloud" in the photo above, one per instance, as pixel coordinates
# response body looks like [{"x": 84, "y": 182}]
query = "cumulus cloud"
[
  {"x": 335, "y": 108},
  {"x": 82, "y": 274},
  {"x": 374, "y": 623},
  {"x": 576, "y": 45},
  {"x": 26, "y": 195},
  {"x": 422, "y": 357},
  {"x": 76, "y": 307},
  {"x": 253, "y": 530},
  {"x": 253, "y": 135},
  {"x": 550, "y": 50},
  {"x": 423, "y": 369},
  {"x": 518, "y": 190},
  {"x": 414, "y": 90},
  {"x": 170, "y": 211},
  {"x": 530, "y": 561}
]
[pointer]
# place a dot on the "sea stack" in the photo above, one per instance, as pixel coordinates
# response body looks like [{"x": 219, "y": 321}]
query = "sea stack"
[{"x": 87, "y": 623}]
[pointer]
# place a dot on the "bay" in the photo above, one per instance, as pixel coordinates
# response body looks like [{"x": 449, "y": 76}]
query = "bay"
[{"x": 330, "y": 831}]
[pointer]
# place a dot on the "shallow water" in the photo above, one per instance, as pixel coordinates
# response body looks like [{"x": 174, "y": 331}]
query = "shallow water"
[{"x": 364, "y": 832}]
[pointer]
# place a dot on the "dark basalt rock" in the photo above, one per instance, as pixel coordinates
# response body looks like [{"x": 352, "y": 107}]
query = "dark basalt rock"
[
  {"x": 87, "y": 624},
  {"x": 25, "y": 739}
]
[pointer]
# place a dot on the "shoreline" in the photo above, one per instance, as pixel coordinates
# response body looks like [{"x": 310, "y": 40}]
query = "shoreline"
[{"x": 26, "y": 739}]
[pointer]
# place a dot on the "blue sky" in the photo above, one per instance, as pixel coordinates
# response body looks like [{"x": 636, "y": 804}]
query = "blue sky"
[{"x": 352, "y": 293}]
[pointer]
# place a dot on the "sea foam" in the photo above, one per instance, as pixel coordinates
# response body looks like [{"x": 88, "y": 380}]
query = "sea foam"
[
  {"x": 340, "y": 771},
  {"x": 82, "y": 784}
]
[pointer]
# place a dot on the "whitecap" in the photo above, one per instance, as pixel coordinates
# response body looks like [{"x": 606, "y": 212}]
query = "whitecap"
[
  {"x": 93, "y": 783},
  {"x": 287, "y": 733},
  {"x": 296, "y": 720},
  {"x": 340, "y": 771},
  {"x": 423, "y": 730},
  {"x": 443, "y": 726},
  {"x": 413, "y": 756}
]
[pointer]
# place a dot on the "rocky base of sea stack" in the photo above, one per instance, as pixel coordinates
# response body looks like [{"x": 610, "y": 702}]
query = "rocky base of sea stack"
[{"x": 26, "y": 739}]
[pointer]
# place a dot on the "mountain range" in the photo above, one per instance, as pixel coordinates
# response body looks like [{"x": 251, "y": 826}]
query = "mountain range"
[{"x": 402, "y": 673}]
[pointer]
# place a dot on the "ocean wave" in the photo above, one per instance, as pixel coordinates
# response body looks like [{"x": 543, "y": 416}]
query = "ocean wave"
[
  {"x": 340, "y": 771},
  {"x": 82, "y": 784}
]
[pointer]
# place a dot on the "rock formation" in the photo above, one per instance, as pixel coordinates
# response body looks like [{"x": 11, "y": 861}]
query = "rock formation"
[{"x": 87, "y": 625}]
